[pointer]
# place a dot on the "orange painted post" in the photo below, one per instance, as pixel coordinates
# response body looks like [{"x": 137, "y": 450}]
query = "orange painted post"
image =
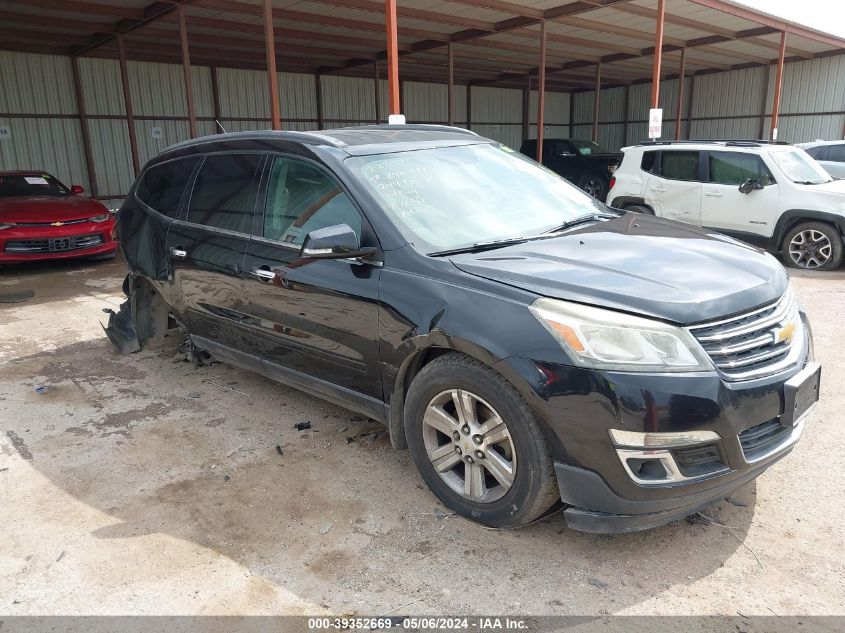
[
  {"x": 541, "y": 92},
  {"x": 778, "y": 86},
  {"x": 681, "y": 81},
  {"x": 272, "y": 77},
  {"x": 597, "y": 103},
  {"x": 658, "y": 54},
  {"x": 392, "y": 56},
  {"x": 186, "y": 71}
]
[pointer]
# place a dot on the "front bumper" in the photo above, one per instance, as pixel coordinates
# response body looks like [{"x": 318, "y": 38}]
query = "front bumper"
[
  {"x": 579, "y": 407},
  {"x": 36, "y": 243}
]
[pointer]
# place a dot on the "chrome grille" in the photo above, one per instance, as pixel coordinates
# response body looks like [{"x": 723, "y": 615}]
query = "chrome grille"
[
  {"x": 748, "y": 345},
  {"x": 54, "y": 245}
]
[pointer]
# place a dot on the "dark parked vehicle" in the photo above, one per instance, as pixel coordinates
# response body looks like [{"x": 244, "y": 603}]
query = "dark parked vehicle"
[
  {"x": 585, "y": 163},
  {"x": 532, "y": 348}
]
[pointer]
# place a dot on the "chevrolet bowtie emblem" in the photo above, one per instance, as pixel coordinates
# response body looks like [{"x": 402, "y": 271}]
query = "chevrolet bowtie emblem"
[
  {"x": 784, "y": 333},
  {"x": 57, "y": 224}
]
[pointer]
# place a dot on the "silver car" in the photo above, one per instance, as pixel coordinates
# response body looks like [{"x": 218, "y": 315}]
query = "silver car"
[{"x": 831, "y": 155}]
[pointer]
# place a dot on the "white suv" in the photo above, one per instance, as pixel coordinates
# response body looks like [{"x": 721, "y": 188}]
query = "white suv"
[{"x": 772, "y": 195}]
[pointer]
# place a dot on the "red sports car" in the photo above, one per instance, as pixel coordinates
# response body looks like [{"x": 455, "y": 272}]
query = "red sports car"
[{"x": 40, "y": 218}]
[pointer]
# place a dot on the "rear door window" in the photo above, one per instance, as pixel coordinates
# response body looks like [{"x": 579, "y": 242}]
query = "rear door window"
[
  {"x": 161, "y": 187},
  {"x": 302, "y": 198},
  {"x": 649, "y": 162},
  {"x": 679, "y": 165},
  {"x": 836, "y": 153},
  {"x": 225, "y": 192},
  {"x": 734, "y": 168}
]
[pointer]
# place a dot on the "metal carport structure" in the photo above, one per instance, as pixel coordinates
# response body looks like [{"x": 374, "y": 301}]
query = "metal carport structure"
[{"x": 545, "y": 46}]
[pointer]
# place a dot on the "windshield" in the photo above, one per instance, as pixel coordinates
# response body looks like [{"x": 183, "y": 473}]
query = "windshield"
[
  {"x": 31, "y": 185},
  {"x": 799, "y": 167},
  {"x": 585, "y": 148},
  {"x": 453, "y": 197}
]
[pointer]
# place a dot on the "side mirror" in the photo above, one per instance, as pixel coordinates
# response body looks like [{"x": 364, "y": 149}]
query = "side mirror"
[
  {"x": 566, "y": 155},
  {"x": 75, "y": 190},
  {"x": 334, "y": 242},
  {"x": 750, "y": 184}
]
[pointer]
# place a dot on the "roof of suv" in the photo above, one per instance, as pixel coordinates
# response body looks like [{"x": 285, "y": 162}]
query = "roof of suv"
[
  {"x": 364, "y": 139},
  {"x": 728, "y": 144}
]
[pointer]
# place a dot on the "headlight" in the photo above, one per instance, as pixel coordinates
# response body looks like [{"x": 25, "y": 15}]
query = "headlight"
[
  {"x": 7, "y": 225},
  {"x": 100, "y": 218},
  {"x": 604, "y": 339}
]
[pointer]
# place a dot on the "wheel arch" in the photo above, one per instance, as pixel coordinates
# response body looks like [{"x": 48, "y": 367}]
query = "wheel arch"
[{"x": 793, "y": 217}]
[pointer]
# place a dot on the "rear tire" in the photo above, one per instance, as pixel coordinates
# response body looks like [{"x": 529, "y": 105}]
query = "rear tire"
[
  {"x": 812, "y": 246},
  {"x": 594, "y": 185},
  {"x": 478, "y": 445}
]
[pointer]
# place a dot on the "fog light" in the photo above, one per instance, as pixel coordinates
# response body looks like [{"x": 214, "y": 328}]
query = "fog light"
[
  {"x": 661, "y": 440},
  {"x": 647, "y": 468}
]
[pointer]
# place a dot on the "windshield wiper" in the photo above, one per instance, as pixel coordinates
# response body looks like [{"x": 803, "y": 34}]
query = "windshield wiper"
[
  {"x": 480, "y": 246},
  {"x": 583, "y": 219},
  {"x": 812, "y": 182}
]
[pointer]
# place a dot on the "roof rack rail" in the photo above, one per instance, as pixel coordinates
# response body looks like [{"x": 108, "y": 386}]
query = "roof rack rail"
[{"x": 725, "y": 141}]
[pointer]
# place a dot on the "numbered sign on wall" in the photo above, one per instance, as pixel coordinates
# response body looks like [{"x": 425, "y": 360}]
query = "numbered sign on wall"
[
  {"x": 156, "y": 132},
  {"x": 5, "y": 132},
  {"x": 655, "y": 122}
]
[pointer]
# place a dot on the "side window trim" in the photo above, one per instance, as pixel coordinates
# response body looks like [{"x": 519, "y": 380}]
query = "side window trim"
[
  {"x": 271, "y": 159},
  {"x": 186, "y": 202}
]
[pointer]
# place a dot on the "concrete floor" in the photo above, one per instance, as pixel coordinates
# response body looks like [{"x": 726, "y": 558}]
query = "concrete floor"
[{"x": 139, "y": 485}]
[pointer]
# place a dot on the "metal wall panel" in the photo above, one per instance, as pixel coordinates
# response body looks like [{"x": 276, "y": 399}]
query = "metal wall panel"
[
  {"x": 101, "y": 87},
  {"x": 157, "y": 89},
  {"x": 172, "y": 132},
  {"x": 510, "y": 135},
  {"x": 36, "y": 84},
  {"x": 496, "y": 105},
  {"x": 725, "y": 128},
  {"x": 111, "y": 156},
  {"x": 428, "y": 102},
  {"x": 549, "y": 131},
  {"x": 298, "y": 97},
  {"x": 52, "y": 145},
  {"x": 557, "y": 108},
  {"x": 243, "y": 93},
  {"x": 728, "y": 94},
  {"x": 807, "y": 127},
  {"x": 816, "y": 85},
  {"x": 347, "y": 98}
]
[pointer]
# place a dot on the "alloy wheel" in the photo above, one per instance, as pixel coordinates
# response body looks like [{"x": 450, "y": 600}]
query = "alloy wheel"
[
  {"x": 469, "y": 445},
  {"x": 810, "y": 249},
  {"x": 593, "y": 186}
]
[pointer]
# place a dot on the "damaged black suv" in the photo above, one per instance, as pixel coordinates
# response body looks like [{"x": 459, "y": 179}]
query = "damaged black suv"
[{"x": 532, "y": 348}]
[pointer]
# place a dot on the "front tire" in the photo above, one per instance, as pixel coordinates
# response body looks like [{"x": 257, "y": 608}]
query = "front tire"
[
  {"x": 478, "y": 445},
  {"x": 812, "y": 246}
]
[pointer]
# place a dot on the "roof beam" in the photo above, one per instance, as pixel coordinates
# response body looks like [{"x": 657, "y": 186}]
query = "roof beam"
[
  {"x": 94, "y": 8},
  {"x": 151, "y": 13}
]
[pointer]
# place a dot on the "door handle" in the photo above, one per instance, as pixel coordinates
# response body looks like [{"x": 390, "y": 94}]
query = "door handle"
[
  {"x": 713, "y": 194},
  {"x": 263, "y": 274},
  {"x": 178, "y": 252},
  {"x": 658, "y": 189}
]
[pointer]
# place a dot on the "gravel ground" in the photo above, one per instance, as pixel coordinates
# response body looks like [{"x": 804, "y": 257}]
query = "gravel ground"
[{"x": 140, "y": 485}]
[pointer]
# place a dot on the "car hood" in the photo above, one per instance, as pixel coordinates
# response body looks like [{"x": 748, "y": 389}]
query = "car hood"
[
  {"x": 834, "y": 186},
  {"x": 49, "y": 208},
  {"x": 640, "y": 264}
]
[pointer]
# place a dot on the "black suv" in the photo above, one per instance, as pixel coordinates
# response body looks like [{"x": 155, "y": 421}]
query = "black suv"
[
  {"x": 527, "y": 344},
  {"x": 585, "y": 163}
]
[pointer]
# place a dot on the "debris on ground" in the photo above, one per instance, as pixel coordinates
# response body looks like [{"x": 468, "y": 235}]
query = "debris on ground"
[
  {"x": 440, "y": 514},
  {"x": 350, "y": 439},
  {"x": 226, "y": 478},
  {"x": 279, "y": 449},
  {"x": 121, "y": 328},
  {"x": 41, "y": 390},
  {"x": 595, "y": 582},
  {"x": 739, "y": 504},
  {"x": 194, "y": 395},
  {"x": 302, "y": 426},
  {"x": 326, "y": 527}
]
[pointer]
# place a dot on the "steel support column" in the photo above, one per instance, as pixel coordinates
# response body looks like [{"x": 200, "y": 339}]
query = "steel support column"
[
  {"x": 215, "y": 100},
  {"x": 778, "y": 87},
  {"x": 318, "y": 97},
  {"x": 83, "y": 126},
  {"x": 625, "y": 121},
  {"x": 597, "y": 103},
  {"x": 186, "y": 71},
  {"x": 377, "y": 90},
  {"x": 541, "y": 90},
  {"x": 127, "y": 104},
  {"x": 392, "y": 56},
  {"x": 469, "y": 105},
  {"x": 658, "y": 54},
  {"x": 450, "y": 87},
  {"x": 526, "y": 105},
  {"x": 272, "y": 77},
  {"x": 681, "y": 81}
]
